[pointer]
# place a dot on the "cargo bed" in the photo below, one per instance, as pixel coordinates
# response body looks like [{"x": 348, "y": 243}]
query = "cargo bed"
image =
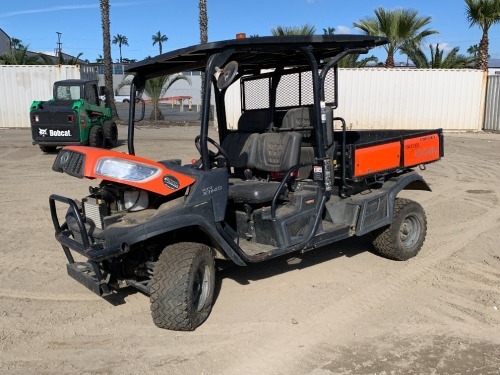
[{"x": 371, "y": 153}]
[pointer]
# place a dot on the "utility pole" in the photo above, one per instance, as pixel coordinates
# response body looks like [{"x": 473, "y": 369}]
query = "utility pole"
[{"x": 59, "y": 44}]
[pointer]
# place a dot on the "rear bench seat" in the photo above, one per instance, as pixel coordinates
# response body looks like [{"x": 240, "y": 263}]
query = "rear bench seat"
[{"x": 301, "y": 120}]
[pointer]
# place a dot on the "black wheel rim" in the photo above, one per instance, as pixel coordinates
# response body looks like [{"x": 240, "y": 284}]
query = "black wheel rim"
[
  {"x": 409, "y": 231},
  {"x": 201, "y": 287}
]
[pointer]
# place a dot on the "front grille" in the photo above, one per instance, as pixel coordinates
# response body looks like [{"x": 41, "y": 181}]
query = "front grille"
[
  {"x": 70, "y": 162},
  {"x": 94, "y": 211}
]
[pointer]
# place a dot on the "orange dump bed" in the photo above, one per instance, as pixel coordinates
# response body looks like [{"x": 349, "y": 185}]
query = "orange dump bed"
[{"x": 404, "y": 149}]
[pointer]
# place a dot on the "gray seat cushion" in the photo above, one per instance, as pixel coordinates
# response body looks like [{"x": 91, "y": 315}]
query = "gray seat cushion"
[
  {"x": 271, "y": 152},
  {"x": 240, "y": 148},
  {"x": 277, "y": 152}
]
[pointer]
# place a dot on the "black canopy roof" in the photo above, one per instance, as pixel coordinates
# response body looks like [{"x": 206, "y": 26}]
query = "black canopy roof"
[{"x": 260, "y": 52}]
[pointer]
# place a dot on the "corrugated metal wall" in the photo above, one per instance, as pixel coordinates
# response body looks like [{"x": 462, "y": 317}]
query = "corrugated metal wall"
[
  {"x": 21, "y": 85},
  {"x": 368, "y": 98},
  {"x": 404, "y": 99},
  {"x": 492, "y": 111},
  {"x": 412, "y": 98},
  {"x": 89, "y": 72}
]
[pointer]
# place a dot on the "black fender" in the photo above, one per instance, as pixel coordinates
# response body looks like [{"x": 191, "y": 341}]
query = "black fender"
[
  {"x": 168, "y": 222},
  {"x": 376, "y": 209}
]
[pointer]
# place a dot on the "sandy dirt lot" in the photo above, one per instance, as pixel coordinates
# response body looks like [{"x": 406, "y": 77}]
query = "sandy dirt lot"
[{"x": 337, "y": 310}]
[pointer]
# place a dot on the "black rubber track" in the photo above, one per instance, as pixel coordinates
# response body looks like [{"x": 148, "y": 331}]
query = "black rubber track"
[
  {"x": 387, "y": 241},
  {"x": 176, "y": 302}
]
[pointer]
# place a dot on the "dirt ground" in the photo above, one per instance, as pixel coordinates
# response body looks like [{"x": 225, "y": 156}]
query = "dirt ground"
[{"x": 337, "y": 310}]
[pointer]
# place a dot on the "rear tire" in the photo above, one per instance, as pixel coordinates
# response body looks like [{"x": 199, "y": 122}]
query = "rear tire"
[
  {"x": 182, "y": 286},
  {"x": 110, "y": 131},
  {"x": 96, "y": 137},
  {"x": 48, "y": 149},
  {"x": 404, "y": 238}
]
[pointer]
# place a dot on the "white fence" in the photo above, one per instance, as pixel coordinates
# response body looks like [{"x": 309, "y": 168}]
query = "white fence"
[
  {"x": 412, "y": 98},
  {"x": 368, "y": 98},
  {"x": 374, "y": 98},
  {"x": 21, "y": 85},
  {"x": 492, "y": 112}
]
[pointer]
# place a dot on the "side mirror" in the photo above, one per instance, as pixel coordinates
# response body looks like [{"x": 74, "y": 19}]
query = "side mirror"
[{"x": 227, "y": 75}]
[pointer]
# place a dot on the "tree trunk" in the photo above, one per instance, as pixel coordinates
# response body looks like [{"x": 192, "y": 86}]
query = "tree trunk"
[
  {"x": 203, "y": 39},
  {"x": 482, "y": 61},
  {"x": 389, "y": 63},
  {"x": 203, "y": 21},
  {"x": 156, "y": 114},
  {"x": 108, "y": 65}
]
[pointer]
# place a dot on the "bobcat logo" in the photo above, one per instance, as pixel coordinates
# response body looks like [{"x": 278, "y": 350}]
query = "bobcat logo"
[{"x": 42, "y": 132}]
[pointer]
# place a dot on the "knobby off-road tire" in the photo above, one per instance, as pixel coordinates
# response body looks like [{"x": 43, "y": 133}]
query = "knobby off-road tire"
[
  {"x": 96, "y": 137},
  {"x": 182, "y": 286},
  {"x": 404, "y": 238},
  {"x": 110, "y": 131}
]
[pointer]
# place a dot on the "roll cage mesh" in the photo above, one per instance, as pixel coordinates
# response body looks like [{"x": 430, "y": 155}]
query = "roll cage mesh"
[{"x": 295, "y": 89}]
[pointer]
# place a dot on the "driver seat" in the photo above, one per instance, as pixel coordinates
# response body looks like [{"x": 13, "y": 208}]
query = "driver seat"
[{"x": 264, "y": 153}]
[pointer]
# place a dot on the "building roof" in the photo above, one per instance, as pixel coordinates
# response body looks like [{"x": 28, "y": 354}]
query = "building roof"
[{"x": 493, "y": 63}]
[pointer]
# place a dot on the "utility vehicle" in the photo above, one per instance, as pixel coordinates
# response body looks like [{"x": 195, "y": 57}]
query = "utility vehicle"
[
  {"x": 290, "y": 178},
  {"x": 72, "y": 117}
]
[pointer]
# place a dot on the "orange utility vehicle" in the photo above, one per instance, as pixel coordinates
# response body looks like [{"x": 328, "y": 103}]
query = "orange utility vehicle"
[{"x": 288, "y": 177}]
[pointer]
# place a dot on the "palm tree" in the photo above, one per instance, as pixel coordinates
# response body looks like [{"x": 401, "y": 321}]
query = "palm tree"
[
  {"x": 293, "y": 30},
  {"x": 16, "y": 43},
  {"x": 453, "y": 60},
  {"x": 473, "y": 50},
  {"x": 121, "y": 40},
  {"x": 400, "y": 26},
  {"x": 59, "y": 59},
  {"x": 155, "y": 88},
  {"x": 351, "y": 61},
  {"x": 203, "y": 20},
  {"x": 160, "y": 39},
  {"x": 484, "y": 13},
  {"x": 20, "y": 56},
  {"x": 329, "y": 31},
  {"x": 108, "y": 65}
]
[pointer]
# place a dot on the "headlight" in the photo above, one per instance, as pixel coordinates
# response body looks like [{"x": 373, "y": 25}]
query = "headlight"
[{"x": 125, "y": 170}]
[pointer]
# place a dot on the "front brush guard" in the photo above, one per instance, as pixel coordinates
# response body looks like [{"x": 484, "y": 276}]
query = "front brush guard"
[
  {"x": 88, "y": 273},
  {"x": 95, "y": 252}
]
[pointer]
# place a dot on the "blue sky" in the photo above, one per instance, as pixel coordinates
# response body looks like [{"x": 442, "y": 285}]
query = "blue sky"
[{"x": 36, "y": 23}]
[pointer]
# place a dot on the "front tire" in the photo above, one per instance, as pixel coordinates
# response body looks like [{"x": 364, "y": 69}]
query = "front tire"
[
  {"x": 404, "y": 238},
  {"x": 110, "y": 131},
  {"x": 96, "y": 137},
  {"x": 182, "y": 286}
]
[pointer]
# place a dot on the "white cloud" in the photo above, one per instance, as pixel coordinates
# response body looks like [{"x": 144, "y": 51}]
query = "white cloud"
[
  {"x": 343, "y": 30},
  {"x": 49, "y": 53},
  {"x": 59, "y": 8}
]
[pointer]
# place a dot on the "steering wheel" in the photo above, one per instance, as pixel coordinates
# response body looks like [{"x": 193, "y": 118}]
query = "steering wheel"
[{"x": 219, "y": 159}]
